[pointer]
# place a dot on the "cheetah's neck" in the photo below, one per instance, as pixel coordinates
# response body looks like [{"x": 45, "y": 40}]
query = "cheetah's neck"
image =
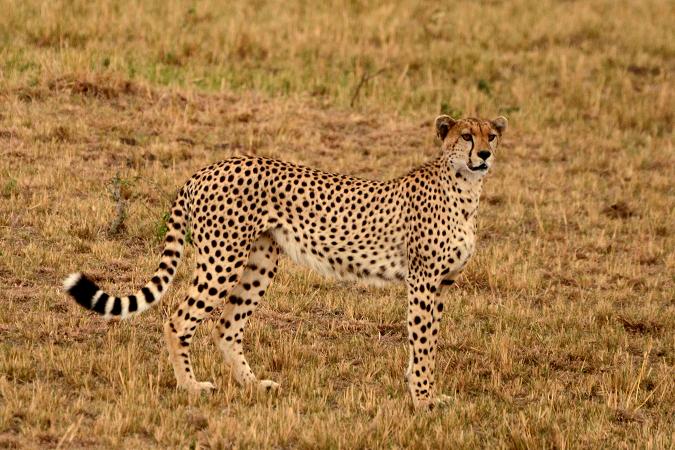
[{"x": 460, "y": 188}]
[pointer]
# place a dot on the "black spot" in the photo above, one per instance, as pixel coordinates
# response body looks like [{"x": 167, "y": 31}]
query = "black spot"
[
  {"x": 148, "y": 295},
  {"x": 83, "y": 291},
  {"x": 117, "y": 307},
  {"x": 101, "y": 303},
  {"x": 133, "y": 303}
]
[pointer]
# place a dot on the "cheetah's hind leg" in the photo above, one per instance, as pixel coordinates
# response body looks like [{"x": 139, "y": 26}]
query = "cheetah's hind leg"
[
  {"x": 178, "y": 332},
  {"x": 205, "y": 293},
  {"x": 241, "y": 302}
]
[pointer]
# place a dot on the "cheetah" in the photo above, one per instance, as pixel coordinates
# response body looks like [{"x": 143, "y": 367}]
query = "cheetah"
[{"x": 242, "y": 212}]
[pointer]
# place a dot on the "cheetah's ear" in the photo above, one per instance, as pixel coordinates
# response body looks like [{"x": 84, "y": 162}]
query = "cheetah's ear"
[
  {"x": 500, "y": 124},
  {"x": 443, "y": 125}
]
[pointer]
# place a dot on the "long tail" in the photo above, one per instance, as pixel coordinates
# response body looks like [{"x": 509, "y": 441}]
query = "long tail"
[{"x": 89, "y": 295}]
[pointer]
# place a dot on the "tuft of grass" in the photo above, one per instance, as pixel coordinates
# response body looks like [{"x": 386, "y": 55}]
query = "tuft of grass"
[
  {"x": 9, "y": 188},
  {"x": 162, "y": 227},
  {"x": 484, "y": 86}
]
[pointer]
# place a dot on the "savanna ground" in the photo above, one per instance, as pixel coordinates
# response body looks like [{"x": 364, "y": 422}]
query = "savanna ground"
[{"x": 559, "y": 335}]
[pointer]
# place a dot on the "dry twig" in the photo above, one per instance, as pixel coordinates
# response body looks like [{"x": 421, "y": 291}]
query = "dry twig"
[
  {"x": 115, "y": 189},
  {"x": 366, "y": 77}
]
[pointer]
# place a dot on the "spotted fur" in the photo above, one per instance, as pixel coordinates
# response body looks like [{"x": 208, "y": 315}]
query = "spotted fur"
[{"x": 243, "y": 212}]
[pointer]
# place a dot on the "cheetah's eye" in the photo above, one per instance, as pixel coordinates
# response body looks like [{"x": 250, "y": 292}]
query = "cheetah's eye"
[
  {"x": 492, "y": 137},
  {"x": 466, "y": 137}
]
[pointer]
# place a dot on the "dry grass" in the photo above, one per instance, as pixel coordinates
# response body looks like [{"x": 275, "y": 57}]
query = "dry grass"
[{"x": 560, "y": 335}]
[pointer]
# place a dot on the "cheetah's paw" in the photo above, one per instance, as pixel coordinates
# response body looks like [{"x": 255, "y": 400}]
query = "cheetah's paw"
[
  {"x": 268, "y": 386},
  {"x": 197, "y": 387},
  {"x": 442, "y": 400},
  {"x": 429, "y": 404}
]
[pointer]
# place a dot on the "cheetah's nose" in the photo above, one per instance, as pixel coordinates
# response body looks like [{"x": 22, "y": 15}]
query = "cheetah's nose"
[{"x": 484, "y": 154}]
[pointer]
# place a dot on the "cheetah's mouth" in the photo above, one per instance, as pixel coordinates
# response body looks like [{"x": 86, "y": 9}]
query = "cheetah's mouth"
[{"x": 479, "y": 168}]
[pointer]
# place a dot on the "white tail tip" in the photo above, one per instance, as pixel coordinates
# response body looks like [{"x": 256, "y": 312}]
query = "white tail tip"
[{"x": 71, "y": 280}]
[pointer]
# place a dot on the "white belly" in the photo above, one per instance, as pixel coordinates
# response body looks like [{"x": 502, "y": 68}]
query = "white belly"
[
  {"x": 380, "y": 270},
  {"x": 301, "y": 254}
]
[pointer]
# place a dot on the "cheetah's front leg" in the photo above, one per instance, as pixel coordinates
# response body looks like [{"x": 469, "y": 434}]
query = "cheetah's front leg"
[{"x": 423, "y": 323}]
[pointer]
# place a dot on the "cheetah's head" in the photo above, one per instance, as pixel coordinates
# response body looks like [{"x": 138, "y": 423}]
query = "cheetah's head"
[{"x": 470, "y": 143}]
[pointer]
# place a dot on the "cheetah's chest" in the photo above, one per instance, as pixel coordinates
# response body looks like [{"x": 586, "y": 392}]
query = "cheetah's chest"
[{"x": 458, "y": 252}]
